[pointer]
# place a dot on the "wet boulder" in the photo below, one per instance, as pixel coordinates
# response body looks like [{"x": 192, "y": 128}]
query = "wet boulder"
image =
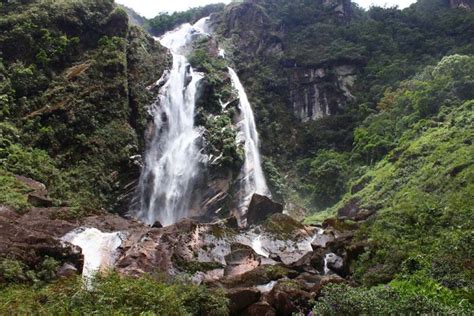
[
  {"x": 260, "y": 208},
  {"x": 322, "y": 239},
  {"x": 335, "y": 263},
  {"x": 258, "y": 276}
]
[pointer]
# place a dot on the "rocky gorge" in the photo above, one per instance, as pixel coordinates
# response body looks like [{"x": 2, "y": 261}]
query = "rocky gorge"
[{"x": 274, "y": 267}]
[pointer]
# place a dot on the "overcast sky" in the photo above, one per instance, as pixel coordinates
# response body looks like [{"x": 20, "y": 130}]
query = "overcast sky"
[{"x": 150, "y": 8}]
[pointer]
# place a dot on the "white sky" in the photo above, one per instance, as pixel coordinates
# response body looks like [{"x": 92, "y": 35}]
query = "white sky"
[{"x": 150, "y": 8}]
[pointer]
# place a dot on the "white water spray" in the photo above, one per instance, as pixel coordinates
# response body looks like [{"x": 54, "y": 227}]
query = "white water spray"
[
  {"x": 98, "y": 248},
  {"x": 174, "y": 160},
  {"x": 252, "y": 176}
]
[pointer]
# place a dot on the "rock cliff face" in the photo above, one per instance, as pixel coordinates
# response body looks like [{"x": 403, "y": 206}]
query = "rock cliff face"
[
  {"x": 342, "y": 8},
  {"x": 463, "y": 4},
  {"x": 250, "y": 28},
  {"x": 313, "y": 91},
  {"x": 320, "y": 91}
]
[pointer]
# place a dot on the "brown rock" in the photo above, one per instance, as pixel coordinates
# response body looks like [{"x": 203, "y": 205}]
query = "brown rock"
[
  {"x": 308, "y": 280},
  {"x": 39, "y": 200},
  {"x": 241, "y": 298},
  {"x": 260, "y": 208},
  {"x": 157, "y": 224},
  {"x": 259, "y": 309},
  {"x": 350, "y": 209},
  {"x": 31, "y": 247},
  {"x": 242, "y": 259},
  {"x": 39, "y": 194},
  {"x": 325, "y": 280},
  {"x": 67, "y": 270},
  {"x": 289, "y": 297},
  {"x": 258, "y": 276},
  {"x": 321, "y": 240}
]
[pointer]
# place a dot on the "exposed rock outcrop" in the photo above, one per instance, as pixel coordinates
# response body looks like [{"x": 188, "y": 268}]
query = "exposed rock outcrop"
[
  {"x": 342, "y": 8},
  {"x": 320, "y": 91},
  {"x": 463, "y": 4}
]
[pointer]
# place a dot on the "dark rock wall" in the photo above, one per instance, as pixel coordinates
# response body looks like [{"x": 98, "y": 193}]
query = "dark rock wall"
[{"x": 317, "y": 92}]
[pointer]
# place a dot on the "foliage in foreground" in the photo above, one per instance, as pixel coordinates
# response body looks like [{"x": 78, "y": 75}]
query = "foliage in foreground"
[
  {"x": 112, "y": 295},
  {"x": 342, "y": 299}
]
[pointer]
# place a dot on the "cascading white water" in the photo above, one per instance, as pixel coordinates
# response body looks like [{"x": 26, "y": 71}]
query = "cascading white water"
[
  {"x": 252, "y": 176},
  {"x": 98, "y": 248},
  {"x": 173, "y": 160}
]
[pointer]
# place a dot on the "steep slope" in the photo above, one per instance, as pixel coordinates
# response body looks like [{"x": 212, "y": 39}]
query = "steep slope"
[
  {"x": 73, "y": 97},
  {"x": 315, "y": 70}
]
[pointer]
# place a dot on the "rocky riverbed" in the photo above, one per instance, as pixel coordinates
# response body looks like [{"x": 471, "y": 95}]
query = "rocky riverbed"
[{"x": 273, "y": 267}]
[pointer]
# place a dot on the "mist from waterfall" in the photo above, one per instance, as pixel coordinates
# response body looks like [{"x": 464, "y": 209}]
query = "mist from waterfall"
[
  {"x": 173, "y": 162},
  {"x": 252, "y": 178}
]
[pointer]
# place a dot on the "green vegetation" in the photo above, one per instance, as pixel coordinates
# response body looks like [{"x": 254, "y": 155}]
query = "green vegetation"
[
  {"x": 341, "y": 299},
  {"x": 267, "y": 40},
  {"x": 13, "y": 192},
  {"x": 72, "y": 97},
  {"x": 15, "y": 272},
  {"x": 166, "y": 22},
  {"x": 216, "y": 91},
  {"x": 422, "y": 187},
  {"x": 112, "y": 295}
]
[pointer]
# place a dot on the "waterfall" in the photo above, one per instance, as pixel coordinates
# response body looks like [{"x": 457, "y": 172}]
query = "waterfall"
[
  {"x": 173, "y": 161},
  {"x": 252, "y": 178}
]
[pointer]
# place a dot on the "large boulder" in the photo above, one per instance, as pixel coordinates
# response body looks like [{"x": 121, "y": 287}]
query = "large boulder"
[
  {"x": 241, "y": 259},
  {"x": 20, "y": 242},
  {"x": 241, "y": 298},
  {"x": 259, "y": 276},
  {"x": 336, "y": 264},
  {"x": 38, "y": 195},
  {"x": 260, "y": 208},
  {"x": 288, "y": 297}
]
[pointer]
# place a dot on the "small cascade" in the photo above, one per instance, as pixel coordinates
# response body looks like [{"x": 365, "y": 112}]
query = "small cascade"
[
  {"x": 325, "y": 268},
  {"x": 252, "y": 178},
  {"x": 98, "y": 248},
  {"x": 173, "y": 162}
]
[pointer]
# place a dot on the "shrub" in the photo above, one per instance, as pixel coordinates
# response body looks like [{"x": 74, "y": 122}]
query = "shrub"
[
  {"x": 113, "y": 294},
  {"x": 342, "y": 299}
]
